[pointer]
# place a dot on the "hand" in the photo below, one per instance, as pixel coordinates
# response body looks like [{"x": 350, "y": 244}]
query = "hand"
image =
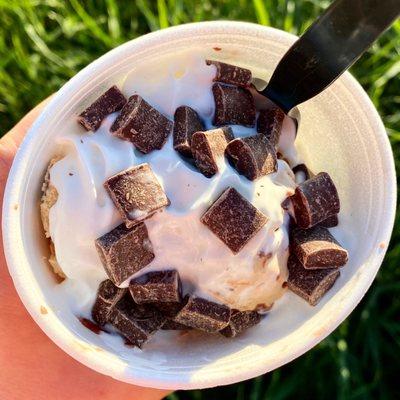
[{"x": 33, "y": 367}]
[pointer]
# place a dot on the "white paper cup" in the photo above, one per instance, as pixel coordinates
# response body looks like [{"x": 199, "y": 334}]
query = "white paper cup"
[{"x": 340, "y": 132}]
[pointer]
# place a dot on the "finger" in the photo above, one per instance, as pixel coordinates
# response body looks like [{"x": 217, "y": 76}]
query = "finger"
[
  {"x": 10, "y": 142},
  {"x": 17, "y": 133}
]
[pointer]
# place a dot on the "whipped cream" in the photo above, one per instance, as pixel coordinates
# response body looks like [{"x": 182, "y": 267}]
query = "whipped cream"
[{"x": 250, "y": 279}]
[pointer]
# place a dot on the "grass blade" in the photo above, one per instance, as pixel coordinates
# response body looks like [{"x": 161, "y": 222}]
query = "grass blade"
[
  {"x": 261, "y": 12},
  {"x": 162, "y": 14}
]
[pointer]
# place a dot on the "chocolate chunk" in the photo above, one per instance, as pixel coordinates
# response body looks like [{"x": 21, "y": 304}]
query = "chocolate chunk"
[
  {"x": 252, "y": 156},
  {"x": 124, "y": 251},
  {"x": 317, "y": 248},
  {"x": 227, "y": 73},
  {"x": 156, "y": 287},
  {"x": 136, "y": 193},
  {"x": 136, "y": 322},
  {"x": 142, "y": 125},
  {"x": 233, "y": 219},
  {"x": 315, "y": 200},
  {"x": 240, "y": 321},
  {"x": 171, "y": 325},
  {"x": 110, "y": 101},
  {"x": 287, "y": 205},
  {"x": 310, "y": 284},
  {"x": 233, "y": 106},
  {"x": 301, "y": 172},
  {"x": 170, "y": 309},
  {"x": 208, "y": 146},
  {"x": 204, "y": 315},
  {"x": 330, "y": 222},
  {"x": 107, "y": 296},
  {"x": 269, "y": 123},
  {"x": 87, "y": 323},
  {"x": 186, "y": 122}
]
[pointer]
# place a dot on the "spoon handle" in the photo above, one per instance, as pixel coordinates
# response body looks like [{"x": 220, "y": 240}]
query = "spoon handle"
[{"x": 328, "y": 48}]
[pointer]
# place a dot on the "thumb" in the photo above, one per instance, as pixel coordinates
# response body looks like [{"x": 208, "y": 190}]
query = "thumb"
[{"x": 10, "y": 142}]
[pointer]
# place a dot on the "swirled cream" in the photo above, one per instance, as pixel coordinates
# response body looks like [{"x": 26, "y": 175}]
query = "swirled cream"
[{"x": 83, "y": 212}]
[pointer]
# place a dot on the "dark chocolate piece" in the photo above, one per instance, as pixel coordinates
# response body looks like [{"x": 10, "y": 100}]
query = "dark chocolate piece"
[
  {"x": 124, "y": 251},
  {"x": 269, "y": 123},
  {"x": 136, "y": 193},
  {"x": 240, "y": 321},
  {"x": 170, "y": 309},
  {"x": 233, "y": 106},
  {"x": 136, "y": 322},
  {"x": 92, "y": 326},
  {"x": 252, "y": 156},
  {"x": 231, "y": 74},
  {"x": 315, "y": 200},
  {"x": 186, "y": 122},
  {"x": 208, "y": 146},
  {"x": 156, "y": 287},
  {"x": 110, "y": 101},
  {"x": 204, "y": 315},
  {"x": 301, "y": 172},
  {"x": 317, "y": 248},
  {"x": 107, "y": 296},
  {"x": 310, "y": 284},
  {"x": 171, "y": 325},
  {"x": 330, "y": 222},
  {"x": 233, "y": 219},
  {"x": 142, "y": 125},
  {"x": 287, "y": 205}
]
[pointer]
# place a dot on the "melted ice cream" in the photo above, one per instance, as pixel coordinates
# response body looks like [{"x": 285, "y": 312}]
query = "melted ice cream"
[{"x": 250, "y": 279}]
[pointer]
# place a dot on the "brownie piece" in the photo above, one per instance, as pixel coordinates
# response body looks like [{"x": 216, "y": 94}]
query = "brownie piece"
[
  {"x": 240, "y": 321},
  {"x": 310, "y": 284},
  {"x": 136, "y": 322},
  {"x": 124, "y": 251},
  {"x": 231, "y": 74},
  {"x": 186, "y": 122},
  {"x": 142, "y": 125},
  {"x": 208, "y": 146},
  {"x": 252, "y": 156},
  {"x": 233, "y": 219},
  {"x": 204, "y": 315},
  {"x": 317, "y": 248},
  {"x": 47, "y": 201},
  {"x": 107, "y": 296},
  {"x": 269, "y": 123},
  {"x": 156, "y": 287},
  {"x": 110, "y": 101},
  {"x": 233, "y": 106},
  {"x": 136, "y": 193},
  {"x": 315, "y": 200}
]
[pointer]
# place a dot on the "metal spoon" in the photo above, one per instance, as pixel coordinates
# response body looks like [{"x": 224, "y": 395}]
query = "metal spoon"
[{"x": 331, "y": 45}]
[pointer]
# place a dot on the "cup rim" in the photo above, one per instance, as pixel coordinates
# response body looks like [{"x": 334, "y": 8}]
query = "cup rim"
[{"x": 64, "y": 337}]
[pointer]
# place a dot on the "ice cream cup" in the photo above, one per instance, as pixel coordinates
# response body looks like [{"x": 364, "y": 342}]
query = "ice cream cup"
[{"x": 340, "y": 132}]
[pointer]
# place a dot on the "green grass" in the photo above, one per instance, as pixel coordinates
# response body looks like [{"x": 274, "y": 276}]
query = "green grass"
[{"x": 44, "y": 43}]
